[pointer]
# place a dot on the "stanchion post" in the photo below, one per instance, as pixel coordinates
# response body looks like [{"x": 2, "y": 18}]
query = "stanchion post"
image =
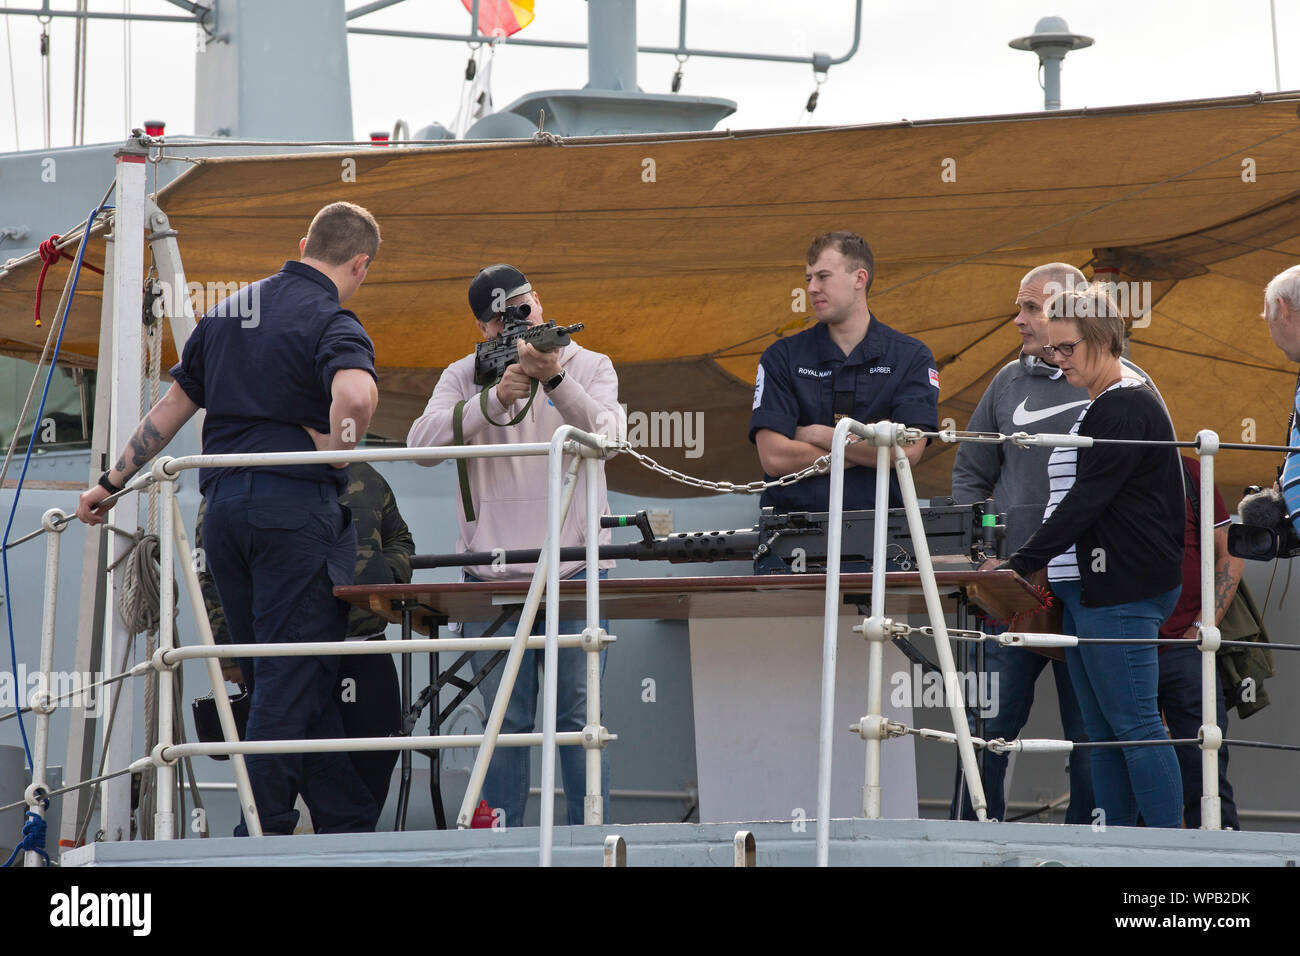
[
  {"x": 830, "y": 639},
  {"x": 124, "y": 417},
  {"x": 593, "y": 809},
  {"x": 510, "y": 670},
  {"x": 203, "y": 627},
  {"x": 164, "y": 818},
  {"x": 550, "y": 656},
  {"x": 876, "y": 636},
  {"x": 1207, "y": 446},
  {"x": 953, "y": 689},
  {"x": 42, "y": 701}
]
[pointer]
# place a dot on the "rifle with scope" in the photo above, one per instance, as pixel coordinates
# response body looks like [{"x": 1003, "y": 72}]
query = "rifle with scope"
[{"x": 494, "y": 356}]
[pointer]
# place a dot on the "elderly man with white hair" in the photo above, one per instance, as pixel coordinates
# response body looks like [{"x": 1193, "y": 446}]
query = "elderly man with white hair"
[{"x": 1282, "y": 312}]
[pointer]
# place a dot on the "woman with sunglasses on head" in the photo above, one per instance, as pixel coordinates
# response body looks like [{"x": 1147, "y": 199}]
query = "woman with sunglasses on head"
[{"x": 1112, "y": 540}]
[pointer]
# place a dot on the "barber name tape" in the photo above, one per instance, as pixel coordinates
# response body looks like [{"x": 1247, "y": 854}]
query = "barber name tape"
[{"x": 934, "y": 377}]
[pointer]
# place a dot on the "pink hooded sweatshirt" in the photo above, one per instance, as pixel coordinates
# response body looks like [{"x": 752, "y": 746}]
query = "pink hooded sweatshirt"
[{"x": 509, "y": 494}]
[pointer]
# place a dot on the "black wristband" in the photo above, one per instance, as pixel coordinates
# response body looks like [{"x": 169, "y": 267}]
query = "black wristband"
[
  {"x": 554, "y": 381},
  {"x": 107, "y": 485}
]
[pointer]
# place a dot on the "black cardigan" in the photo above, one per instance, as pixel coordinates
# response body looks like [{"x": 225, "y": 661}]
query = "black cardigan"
[{"x": 1126, "y": 511}]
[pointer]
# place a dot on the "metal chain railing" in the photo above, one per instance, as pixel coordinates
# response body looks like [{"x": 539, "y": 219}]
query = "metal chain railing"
[{"x": 819, "y": 467}]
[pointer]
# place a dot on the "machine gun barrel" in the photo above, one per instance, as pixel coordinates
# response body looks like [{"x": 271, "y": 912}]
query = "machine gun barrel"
[
  {"x": 680, "y": 548},
  {"x": 780, "y": 543}
]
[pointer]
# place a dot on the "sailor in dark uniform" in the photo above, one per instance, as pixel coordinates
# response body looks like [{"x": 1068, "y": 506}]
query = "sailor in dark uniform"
[
  {"x": 281, "y": 366},
  {"x": 849, "y": 363}
]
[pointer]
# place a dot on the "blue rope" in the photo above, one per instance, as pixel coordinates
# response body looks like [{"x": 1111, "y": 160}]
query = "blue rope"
[
  {"x": 33, "y": 837},
  {"x": 13, "y": 510}
]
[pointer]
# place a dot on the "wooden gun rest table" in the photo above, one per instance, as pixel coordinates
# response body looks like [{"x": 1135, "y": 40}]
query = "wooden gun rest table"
[{"x": 763, "y": 603}]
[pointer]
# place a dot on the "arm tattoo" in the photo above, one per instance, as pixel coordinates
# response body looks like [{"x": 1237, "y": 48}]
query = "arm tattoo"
[
  {"x": 1224, "y": 588},
  {"x": 144, "y": 444}
]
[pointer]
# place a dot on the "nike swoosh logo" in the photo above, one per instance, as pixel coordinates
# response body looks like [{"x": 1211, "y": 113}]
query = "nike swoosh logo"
[{"x": 1023, "y": 416}]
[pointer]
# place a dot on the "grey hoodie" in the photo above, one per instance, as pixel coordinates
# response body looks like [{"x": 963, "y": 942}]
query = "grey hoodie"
[{"x": 1027, "y": 395}]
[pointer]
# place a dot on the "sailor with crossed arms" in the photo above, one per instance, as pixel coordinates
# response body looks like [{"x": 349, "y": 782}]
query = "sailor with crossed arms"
[{"x": 1027, "y": 395}]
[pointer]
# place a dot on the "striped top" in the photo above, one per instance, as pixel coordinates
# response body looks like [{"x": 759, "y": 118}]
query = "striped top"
[{"x": 1062, "y": 468}]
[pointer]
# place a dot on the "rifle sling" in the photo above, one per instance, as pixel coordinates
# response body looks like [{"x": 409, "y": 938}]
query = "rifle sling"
[{"x": 458, "y": 437}]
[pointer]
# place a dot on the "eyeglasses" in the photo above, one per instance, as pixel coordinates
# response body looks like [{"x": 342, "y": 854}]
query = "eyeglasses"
[{"x": 1065, "y": 348}]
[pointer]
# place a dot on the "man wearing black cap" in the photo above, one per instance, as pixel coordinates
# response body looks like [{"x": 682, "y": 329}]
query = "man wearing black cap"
[{"x": 503, "y": 506}]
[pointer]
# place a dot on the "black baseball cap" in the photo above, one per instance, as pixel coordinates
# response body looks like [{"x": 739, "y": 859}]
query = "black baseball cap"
[{"x": 493, "y": 286}]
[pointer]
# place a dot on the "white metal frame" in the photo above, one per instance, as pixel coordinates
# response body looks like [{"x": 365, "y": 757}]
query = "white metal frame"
[
  {"x": 884, "y": 436},
  {"x": 123, "y": 415},
  {"x": 585, "y": 447},
  {"x": 42, "y": 700}
]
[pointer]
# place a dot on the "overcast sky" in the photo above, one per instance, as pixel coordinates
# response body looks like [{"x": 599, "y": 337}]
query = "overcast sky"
[{"x": 918, "y": 59}]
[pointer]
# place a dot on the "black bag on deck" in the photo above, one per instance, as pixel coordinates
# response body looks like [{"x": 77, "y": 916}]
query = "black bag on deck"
[{"x": 208, "y": 725}]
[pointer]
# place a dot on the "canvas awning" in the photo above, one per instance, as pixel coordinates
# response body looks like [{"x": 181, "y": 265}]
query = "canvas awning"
[{"x": 684, "y": 276}]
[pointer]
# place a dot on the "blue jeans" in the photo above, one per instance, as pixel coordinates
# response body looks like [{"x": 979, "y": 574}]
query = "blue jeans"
[
  {"x": 1116, "y": 685},
  {"x": 510, "y": 772},
  {"x": 1180, "y": 701},
  {"x": 1012, "y": 673}
]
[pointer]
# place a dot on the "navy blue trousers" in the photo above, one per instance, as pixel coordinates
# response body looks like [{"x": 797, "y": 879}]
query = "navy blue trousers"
[{"x": 276, "y": 547}]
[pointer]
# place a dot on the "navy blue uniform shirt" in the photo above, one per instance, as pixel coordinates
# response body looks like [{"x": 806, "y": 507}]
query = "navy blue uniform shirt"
[
  {"x": 262, "y": 362},
  {"x": 806, "y": 380}
]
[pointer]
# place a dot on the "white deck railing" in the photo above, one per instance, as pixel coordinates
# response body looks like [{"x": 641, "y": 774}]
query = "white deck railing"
[
  {"x": 889, "y": 440},
  {"x": 583, "y": 446}
]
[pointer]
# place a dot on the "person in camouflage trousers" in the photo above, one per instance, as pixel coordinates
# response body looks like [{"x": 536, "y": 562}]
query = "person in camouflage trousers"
[{"x": 368, "y": 694}]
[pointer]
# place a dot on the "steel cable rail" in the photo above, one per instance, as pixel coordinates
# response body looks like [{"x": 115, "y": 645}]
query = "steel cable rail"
[
  {"x": 139, "y": 670},
  {"x": 1031, "y": 638},
  {"x": 1027, "y": 745}
]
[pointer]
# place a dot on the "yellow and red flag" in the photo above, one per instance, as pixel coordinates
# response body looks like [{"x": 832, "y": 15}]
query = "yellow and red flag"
[{"x": 502, "y": 18}]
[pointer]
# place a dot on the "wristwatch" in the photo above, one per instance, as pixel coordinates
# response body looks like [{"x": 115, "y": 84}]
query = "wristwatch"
[
  {"x": 107, "y": 485},
  {"x": 551, "y": 383}
]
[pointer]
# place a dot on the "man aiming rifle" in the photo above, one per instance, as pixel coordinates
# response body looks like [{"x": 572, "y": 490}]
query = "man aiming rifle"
[{"x": 503, "y": 501}]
